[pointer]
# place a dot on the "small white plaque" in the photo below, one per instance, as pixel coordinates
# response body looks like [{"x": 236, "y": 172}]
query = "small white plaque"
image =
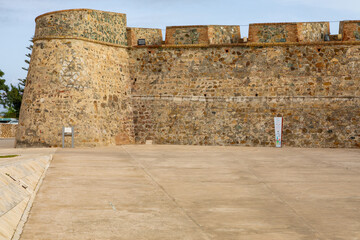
[
  {"x": 67, "y": 130},
  {"x": 148, "y": 142},
  {"x": 278, "y": 130}
]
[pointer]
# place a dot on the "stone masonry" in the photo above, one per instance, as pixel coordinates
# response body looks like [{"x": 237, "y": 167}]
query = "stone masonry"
[
  {"x": 8, "y": 130},
  {"x": 204, "y": 85}
]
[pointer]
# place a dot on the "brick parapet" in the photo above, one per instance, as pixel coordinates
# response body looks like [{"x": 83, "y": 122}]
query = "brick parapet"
[{"x": 350, "y": 30}]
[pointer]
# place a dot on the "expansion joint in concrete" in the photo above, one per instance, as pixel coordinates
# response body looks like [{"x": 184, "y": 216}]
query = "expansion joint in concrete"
[
  {"x": 172, "y": 199},
  {"x": 276, "y": 195}
]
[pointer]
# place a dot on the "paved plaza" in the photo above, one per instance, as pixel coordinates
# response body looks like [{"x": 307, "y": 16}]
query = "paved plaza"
[{"x": 198, "y": 192}]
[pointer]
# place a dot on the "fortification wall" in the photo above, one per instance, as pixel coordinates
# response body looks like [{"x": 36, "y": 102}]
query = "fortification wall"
[
  {"x": 203, "y": 86},
  {"x": 72, "y": 82},
  {"x": 223, "y": 95},
  {"x": 76, "y": 83},
  {"x": 289, "y": 70},
  {"x": 247, "y": 121}
]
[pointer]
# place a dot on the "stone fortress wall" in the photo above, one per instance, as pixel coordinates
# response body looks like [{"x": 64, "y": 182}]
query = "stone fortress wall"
[
  {"x": 8, "y": 130},
  {"x": 204, "y": 85},
  {"x": 75, "y": 81}
]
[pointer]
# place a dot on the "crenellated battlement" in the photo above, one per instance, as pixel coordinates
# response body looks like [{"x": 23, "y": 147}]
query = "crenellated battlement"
[
  {"x": 288, "y": 32},
  {"x": 110, "y": 28},
  {"x": 203, "y": 85},
  {"x": 152, "y": 36},
  {"x": 350, "y": 30},
  {"x": 202, "y": 34}
]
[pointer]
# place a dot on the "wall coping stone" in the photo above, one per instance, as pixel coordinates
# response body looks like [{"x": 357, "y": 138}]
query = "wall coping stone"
[{"x": 75, "y": 10}]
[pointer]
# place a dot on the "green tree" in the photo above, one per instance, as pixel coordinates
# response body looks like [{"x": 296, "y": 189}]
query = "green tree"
[
  {"x": 10, "y": 97},
  {"x": 27, "y": 61}
]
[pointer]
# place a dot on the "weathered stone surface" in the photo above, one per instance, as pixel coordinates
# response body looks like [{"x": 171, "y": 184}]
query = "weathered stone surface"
[
  {"x": 350, "y": 30},
  {"x": 8, "y": 130},
  {"x": 317, "y": 70},
  {"x": 203, "y": 34},
  {"x": 273, "y": 32},
  {"x": 201, "y": 87},
  {"x": 222, "y": 34},
  {"x": 288, "y": 32},
  {"x": 313, "y": 31},
  {"x": 91, "y": 24},
  {"x": 178, "y": 35},
  {"x": 152, "y": 36},
  {"x": 80, "y": 84},
  {"x": 245, "y": 88},
  {"x": 248, "y": 121}
]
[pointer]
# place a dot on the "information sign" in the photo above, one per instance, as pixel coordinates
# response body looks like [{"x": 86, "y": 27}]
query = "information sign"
[
  {"x": 67, "y": 130},
  {"x": 278, "y": 130}
]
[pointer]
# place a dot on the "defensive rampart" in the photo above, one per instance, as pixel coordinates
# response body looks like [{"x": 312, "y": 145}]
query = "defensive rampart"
[
  {"x": 203, "y": 85},
  {"x": 75, "y": 81}
]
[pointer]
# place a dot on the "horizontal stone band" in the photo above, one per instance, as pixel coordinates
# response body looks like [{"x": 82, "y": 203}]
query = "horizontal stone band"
[{"x": 241, "y": 98}]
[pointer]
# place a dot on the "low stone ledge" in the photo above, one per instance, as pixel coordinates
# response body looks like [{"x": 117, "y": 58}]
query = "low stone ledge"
[
  {"x": 8, "y": 130},
  {"x": 19, "y": 182}
]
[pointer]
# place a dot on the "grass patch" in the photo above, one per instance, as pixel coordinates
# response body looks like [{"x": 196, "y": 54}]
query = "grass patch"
[{"x": 8, "y": 156}]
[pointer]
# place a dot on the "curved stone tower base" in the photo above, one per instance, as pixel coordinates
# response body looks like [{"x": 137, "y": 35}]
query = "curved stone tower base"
[{"x": 75, "y": 82}]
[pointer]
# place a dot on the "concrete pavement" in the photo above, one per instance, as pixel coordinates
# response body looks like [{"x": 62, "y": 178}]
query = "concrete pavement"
[
  {"x": 198, "y": 192},
  {"x": 20, "y": 178}
]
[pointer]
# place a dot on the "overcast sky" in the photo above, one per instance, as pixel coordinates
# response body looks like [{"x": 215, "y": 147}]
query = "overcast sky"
[{"x": 17, "y": 24}]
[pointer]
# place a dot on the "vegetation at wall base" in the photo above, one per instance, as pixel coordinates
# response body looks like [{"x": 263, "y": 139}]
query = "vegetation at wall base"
[
  {"x": 8, "y": 156},
  {"x": 10, "y": 98}
]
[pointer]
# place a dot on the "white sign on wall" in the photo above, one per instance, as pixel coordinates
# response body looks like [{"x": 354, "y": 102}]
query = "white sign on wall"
[
  {"x": 278, "y": 130},
  {"x": 67, "y": 130}
]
